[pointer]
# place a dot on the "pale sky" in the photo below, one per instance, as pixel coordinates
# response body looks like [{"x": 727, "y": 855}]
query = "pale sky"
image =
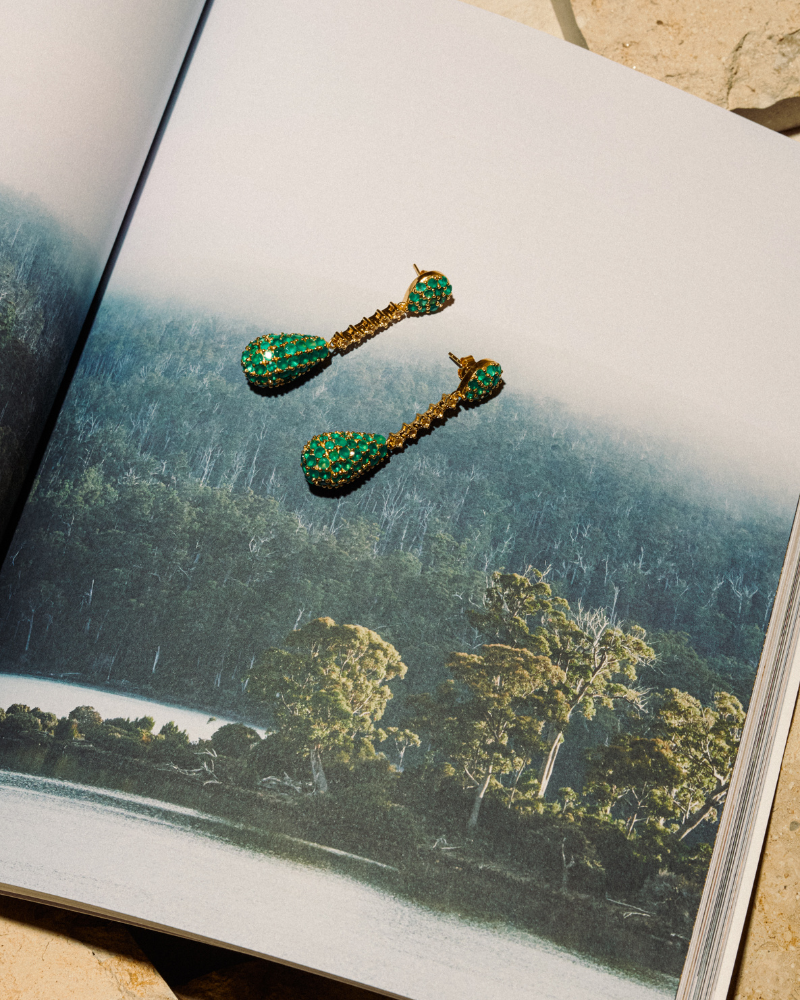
[
  {"x": 611, "y": 240},
  {"x": 83, "y": 84}
]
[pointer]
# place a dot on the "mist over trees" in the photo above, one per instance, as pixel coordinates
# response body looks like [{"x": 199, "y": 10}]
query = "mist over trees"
[
  {"x": 45, "y": 290},
  {"x": 522, "y": 651},
  {"x": 171, "y": 537}
]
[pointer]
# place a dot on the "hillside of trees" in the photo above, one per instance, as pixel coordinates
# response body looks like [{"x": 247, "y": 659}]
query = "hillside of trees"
[
  {"x": 172, "y": 537},
  {"x": 496, "y": 659},
  {"x": 457, "y": 798},
  {"x": 45, "y": 289}
]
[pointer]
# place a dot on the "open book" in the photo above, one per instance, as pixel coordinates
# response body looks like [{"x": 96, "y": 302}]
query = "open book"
[{"x": 504, "y": 717}]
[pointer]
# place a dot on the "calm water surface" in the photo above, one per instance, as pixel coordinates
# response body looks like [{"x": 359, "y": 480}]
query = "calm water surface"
[
  {"x": 174, "y": 866},
  {"x": 61, "y": 697}
]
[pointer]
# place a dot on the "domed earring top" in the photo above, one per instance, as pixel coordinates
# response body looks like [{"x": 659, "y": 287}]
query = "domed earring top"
[
  {"x": 277, "y": 358},
  {"x": 339, "y": 458}
]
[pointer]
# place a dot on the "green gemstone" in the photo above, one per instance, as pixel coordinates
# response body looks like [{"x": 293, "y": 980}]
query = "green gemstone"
[
  {"x": 483, "y": 382},
  {"x": 430, "y": 294},
  {"x": 288, "y": 356},
  {"x": 368, "y": 451}
]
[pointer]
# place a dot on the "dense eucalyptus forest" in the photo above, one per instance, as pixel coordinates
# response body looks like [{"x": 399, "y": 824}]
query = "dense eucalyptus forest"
[
  {"x": 45, "y": 288},
  {"x": 497, "y": 657}
]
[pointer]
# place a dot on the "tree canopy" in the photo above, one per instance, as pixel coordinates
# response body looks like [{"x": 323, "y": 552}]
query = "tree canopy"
[{"x": 326, "y": 688}]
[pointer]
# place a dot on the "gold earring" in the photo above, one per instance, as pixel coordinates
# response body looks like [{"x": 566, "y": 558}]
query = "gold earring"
[
  {"x": 338, "y": 458},
  {"x": 275, "y": 359}
]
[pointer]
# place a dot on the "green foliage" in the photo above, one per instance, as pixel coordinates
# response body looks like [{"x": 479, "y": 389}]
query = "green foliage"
[
  {"x": 45, "y": 285},
  {"x": 48, "y": 720},
  {"x": 20, "y": 724},
  {"x": 678, "y": 664},
  {"x": 67, "y": 729},
  {"x": 326, "y": 689},
  {"x": 143, "y": 725},
  {"x": 400, "y": 740},
  {"x": 85, "y": 716},
  {"x": 704, "y": 741},
  {"x": 234, "y": 739},
  {"x": 675, "y": 777},
  {"x": 633, "y": 778},
  {"x": 589, "y": 657},
  {"x": 483, "y": 720},
  {"x": 172, "y": 733}
]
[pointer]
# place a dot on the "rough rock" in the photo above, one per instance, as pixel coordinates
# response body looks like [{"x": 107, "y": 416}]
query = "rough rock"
[
  {"x": 770, "y": 968},
  {"x": 737, "y": 54},
  {"x": 47, "y": 953},
  {"x": 535, "y": 13}
]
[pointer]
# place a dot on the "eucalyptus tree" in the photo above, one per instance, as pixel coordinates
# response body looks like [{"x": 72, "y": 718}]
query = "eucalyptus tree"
[
  {"x": 483, "y": 720},
  {"x": 326, "y": 689},
  {"x": 703, "y": 741},
  {"x": 594, "y": 660},
  {"x": 632, "y": 779}
]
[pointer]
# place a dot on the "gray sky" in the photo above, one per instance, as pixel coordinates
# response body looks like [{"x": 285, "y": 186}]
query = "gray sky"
[
  {"x": 611, "y": 240},
  {"x": 83, "y": 84}
]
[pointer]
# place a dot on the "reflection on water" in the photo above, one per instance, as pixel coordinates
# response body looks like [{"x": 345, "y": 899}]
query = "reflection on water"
[
  {"x": 61, "y": 697},
  {"x": 178, "y": 867}
]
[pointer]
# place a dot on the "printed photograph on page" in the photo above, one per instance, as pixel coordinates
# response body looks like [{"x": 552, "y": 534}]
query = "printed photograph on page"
[
  {"x": 465, "y": 727},
  {"x": 82, "y": 89}
]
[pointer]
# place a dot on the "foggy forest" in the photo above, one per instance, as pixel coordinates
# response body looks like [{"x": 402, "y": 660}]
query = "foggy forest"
[
  {"x": 491, "y": 666},
  {"x": 45, "y": 288}
]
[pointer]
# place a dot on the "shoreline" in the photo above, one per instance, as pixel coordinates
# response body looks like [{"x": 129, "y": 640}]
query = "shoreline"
[{"x": 467, "y": 886}]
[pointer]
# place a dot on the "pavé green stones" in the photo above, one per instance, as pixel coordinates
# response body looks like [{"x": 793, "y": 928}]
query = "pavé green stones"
[
  {"x": 430, "y": 293},
  {"x": 483, "y": 382},
  {"x": 278, "y": 358},
  {"x": 274, "y": 359},
  {"x": 339, "y": 458}
]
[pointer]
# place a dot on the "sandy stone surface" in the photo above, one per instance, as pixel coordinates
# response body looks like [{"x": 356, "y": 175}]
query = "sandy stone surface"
[
  {"x": 770, "y": 968},
  {"x": 736, "y": 53},
  {"x": 48, "y": 954},
  {"x": 535, "y": 13}
]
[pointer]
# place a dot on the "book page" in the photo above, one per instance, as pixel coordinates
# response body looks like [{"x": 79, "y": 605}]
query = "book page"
[
  {"x": 82, "y": 89},
  {"x": 464, "y": 726}
]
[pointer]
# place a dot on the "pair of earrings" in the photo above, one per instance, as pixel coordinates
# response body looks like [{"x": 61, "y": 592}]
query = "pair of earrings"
[{"x": 339, "y": 458}]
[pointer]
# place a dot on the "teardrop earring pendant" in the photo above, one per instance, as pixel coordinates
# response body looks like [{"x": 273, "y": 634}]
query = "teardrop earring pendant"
[
  {"x": 277, "y": 358},
  {"x": 339, "y": 458}
]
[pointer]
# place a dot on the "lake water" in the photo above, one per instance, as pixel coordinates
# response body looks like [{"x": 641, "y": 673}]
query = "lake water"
[
  {"x": 61, "y": 697},
  {"x": 175, "y": 867}
]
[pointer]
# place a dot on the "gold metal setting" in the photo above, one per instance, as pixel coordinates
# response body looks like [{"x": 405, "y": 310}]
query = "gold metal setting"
[
  {"x": 339, "y": 458},
  {"x": 429, "y": 292},
  {"x": 272, "y": 360},
  {"x": 467, "y": 369},
  {"x": 380, "y": 320}
]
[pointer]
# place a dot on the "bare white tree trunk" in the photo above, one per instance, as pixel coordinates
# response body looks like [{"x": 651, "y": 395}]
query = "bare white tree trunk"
[
  {"x": 546, "y": 771},
  {"x": 317, "y": 774},
  {"x": 472, "y": 822}
]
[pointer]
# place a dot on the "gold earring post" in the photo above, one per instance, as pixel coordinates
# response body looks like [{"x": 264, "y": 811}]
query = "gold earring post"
[
  {"x": 273, "y": 360},
  {"x": 339, "y": 458}
]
